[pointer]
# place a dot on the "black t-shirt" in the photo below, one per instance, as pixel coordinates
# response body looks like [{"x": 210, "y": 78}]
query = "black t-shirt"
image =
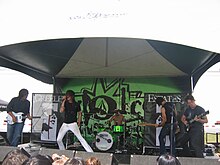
[
  {"x": 169, "y": 110},
  {"x": 17, "y": 105},
  {"x": 191, "y": 113},
  {"x": 71, "y": 110}
]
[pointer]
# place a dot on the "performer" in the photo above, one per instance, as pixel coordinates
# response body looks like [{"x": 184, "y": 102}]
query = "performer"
[
  {"x": 17, "y": 105},
  {"x": 118, "y": 118},
  {"x": 71, "y": 109},
  {"x": 195, "y": 134},
  {"x": 168, "y": 112},
  {"x": 119, "y": 124}
]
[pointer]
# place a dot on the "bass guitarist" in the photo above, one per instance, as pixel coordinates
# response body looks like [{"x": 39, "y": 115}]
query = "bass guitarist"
[
  {"x": 168, "y": 125},
  {"x": 20, "y": 105},
  {"x": 195, "y": 132}
]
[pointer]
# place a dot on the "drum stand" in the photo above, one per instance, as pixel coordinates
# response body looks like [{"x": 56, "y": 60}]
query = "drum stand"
[
  {"x": 83, "y": 129},
  {"x": 123, "y": 149},
  {"x": 128, "y": 142},
  {"x": 117, "y": 150},
  {"x": 124, "y": 139}
]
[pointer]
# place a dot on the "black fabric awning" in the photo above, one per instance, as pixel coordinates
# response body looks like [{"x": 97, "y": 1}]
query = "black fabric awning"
[{"x": 106, "y": 57}]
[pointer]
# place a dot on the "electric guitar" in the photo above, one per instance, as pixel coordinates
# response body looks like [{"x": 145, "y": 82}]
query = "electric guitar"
[
  {"x": 19, "y": 118},
  {"x": 193, "y": 120}
]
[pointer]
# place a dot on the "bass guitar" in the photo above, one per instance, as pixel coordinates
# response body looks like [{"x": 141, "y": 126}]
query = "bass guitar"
[{"x": 19, "y": 118}]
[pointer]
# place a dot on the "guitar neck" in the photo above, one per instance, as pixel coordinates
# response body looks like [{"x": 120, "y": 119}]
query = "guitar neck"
[
  {"x": 148, "y": 124},
  {"x": 152, "y": 125},
  {"x": 199, "y": 116}
]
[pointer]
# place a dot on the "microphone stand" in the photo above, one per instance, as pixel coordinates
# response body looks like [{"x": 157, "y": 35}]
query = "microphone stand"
[{"x": 171, "y": 131}]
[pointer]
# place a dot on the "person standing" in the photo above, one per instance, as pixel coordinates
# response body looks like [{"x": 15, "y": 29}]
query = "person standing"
[
  {"x": 195, "y": 133},
  {"x": 168, "y": 125},
  {"x": 18, "y": 109},
  {"x": 71, "y": 122}
]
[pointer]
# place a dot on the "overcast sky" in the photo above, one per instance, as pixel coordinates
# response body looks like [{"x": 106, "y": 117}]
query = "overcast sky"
[
  {"x": 206, "y": 91},
  {"x": 12, "y": 81}
]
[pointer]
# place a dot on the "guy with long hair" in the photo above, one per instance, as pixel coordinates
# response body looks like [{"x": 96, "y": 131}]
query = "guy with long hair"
[
  {"x": 72, "y": 120},
  {"x": 15, "y": 123},
  {"x": 168, "y": 125}
]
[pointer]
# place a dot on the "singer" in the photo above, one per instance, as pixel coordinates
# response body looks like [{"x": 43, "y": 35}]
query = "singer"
[{"x": 71, "y": 109}]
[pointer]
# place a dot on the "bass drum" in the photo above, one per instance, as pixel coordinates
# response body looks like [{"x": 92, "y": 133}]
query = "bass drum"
[{"x": 104, "y": 141}]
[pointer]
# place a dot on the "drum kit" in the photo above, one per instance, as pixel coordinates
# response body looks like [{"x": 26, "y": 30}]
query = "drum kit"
[
  {"x": 118, "y": 138},
  {"x": 109, "y": 137}
]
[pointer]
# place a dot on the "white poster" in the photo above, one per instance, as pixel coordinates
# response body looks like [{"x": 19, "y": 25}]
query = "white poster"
[
  {"x": 45, "y": 119},
  {"x": 49, "y": 128}
]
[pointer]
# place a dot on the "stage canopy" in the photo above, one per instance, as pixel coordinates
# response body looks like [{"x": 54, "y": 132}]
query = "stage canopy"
[
  {"x": 3, "y": 105},
  {"x": 51, "y": 40}
]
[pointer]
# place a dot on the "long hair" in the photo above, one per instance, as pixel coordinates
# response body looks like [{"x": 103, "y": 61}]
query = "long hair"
[
  {"x": 23, "y": 92},
  {"x": 70, "y": 93},
  {"x": 159, "y": 100}
]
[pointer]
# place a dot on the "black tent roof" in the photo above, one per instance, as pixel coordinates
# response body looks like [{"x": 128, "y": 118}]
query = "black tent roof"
[{"x": 47, "y": 60}]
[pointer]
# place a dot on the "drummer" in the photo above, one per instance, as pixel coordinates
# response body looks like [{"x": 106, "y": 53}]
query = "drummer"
[
  {"x": 118, "y": 127},
  {"x": 117, "y": 118}
]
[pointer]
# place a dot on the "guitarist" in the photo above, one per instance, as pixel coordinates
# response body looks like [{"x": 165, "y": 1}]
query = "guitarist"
[
  {"x": 16, "y": 105},
  {"x": 168, "y": 124},
  {"x": 195, "y": 133}
]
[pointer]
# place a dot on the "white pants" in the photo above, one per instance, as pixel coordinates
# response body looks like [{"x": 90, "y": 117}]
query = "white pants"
[{"x": 75, "y": 129}]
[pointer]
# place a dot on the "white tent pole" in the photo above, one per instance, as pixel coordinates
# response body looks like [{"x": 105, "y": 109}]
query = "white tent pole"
[{"x": 192, "y": 82}]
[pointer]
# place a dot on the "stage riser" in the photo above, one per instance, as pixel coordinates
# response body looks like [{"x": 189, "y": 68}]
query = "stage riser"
[{"x": 145, "y": 160}]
